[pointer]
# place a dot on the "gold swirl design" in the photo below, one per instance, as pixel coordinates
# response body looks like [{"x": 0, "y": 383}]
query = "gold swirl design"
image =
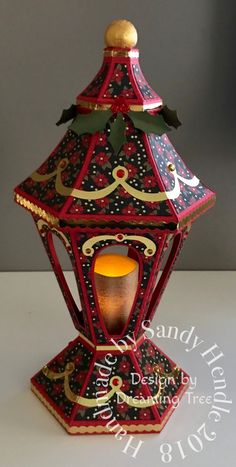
[
  {"x": 115, "y": 389},
  {"x": 42, "y": 224},
  {"x": 120, "y": 175},
  {"x": 88, "y": 249}
]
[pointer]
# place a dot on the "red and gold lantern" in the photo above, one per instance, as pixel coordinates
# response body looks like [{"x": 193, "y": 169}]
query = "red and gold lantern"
[{"x": 117, "y": 195}]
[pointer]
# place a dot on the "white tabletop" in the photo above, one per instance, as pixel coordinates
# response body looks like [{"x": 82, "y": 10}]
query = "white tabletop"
[{"x": 35, "y": 325}]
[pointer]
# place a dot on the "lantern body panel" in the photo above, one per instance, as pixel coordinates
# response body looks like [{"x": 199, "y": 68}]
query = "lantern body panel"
[
  {"x": 93, "y": 197},
  {"x": 83, "y": 244}
]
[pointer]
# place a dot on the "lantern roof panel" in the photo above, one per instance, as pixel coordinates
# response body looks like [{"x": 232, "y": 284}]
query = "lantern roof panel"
[
  {"x": 86, "y": 179},
  {"x": 120, "y": 76}
]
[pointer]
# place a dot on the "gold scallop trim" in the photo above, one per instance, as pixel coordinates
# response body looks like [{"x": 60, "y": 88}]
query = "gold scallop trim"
[
  {"x": 133, "y": 107},
  {"x": 115, "y": 388},
  {"x": 98, "y": 194},
  {"x": 55, "y": 220},
  {"x": 91, "y": 429},
  {"x": 88, "y": 249},
  {"x": 107, "y": 223},
  {"x": 36, "y": 209},
  {"x": 196, "y": 212},
  {"x": 121, "y": 53}
]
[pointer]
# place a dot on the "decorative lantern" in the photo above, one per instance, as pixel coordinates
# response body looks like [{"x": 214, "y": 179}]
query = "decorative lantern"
[{"x": 120, "y": 199}]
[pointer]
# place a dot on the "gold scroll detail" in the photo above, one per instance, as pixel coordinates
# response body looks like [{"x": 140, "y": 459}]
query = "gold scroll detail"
[
  {"x": 159, "y": 371},
  {"x": 42, "y": 224},
  {"x": 115, "y": 389},
  {"x": 88, "y": 249},
  {"x": 118, "y": 180}
]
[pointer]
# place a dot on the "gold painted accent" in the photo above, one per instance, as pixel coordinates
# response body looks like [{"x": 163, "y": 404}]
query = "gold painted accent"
[
  {"x": 36, "y": 209},
  {"x": 91, "y": 429},
  {"x": 98, "y": 194},
  {"x": 41, "y": 224},
  {"x": 121, "y": 53},
  {"x": 115, "y": 388},
  {"x": 86, "y": 340},
  {"x": 109, "y": 347},
  {"x": 52, "y": 375},
  {"x": 113, "y": 347},
  {"x": 86, "y": 402},
  {"x": 88, "y": 249},
  {"x": 121, "y": 33},
  {"x": 173, "y": 374},
  {"x": 65, "y": 191},
  {"x": 171, "y": 167},
  {"x": 37, "y": 177},
  {"x": 133, "y": 107}
]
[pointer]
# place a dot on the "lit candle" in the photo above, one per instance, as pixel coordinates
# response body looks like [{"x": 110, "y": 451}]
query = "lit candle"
[{"x": 116, "y": 280}]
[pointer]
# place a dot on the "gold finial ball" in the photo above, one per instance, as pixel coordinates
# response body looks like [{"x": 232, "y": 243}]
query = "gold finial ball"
[{"x": 121, "y": 33}]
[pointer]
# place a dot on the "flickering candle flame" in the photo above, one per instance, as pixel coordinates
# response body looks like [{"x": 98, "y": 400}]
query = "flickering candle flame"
[{"x": 116, "y": 280}]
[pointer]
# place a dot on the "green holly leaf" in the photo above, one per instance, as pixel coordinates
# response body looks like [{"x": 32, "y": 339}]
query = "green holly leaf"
[
  {"x": 149, "y": 123},
  {"x": 67, "y": 114},
  {"x": 90, "y": 123},
  {"x": 170, "y": 116},
  {"x": 117, "y": 134}
]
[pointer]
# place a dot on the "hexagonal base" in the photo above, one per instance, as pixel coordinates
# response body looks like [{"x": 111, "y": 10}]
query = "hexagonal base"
[{"x": 71, "y": 386}]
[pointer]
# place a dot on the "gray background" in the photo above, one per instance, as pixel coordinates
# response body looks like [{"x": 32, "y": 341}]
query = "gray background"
[{"x": 50, "y": 50}]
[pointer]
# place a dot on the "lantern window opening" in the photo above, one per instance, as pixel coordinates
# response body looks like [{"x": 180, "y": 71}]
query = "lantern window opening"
[
  {"x": 67, "y": 280},
  {"x": 167, "y": 261}
]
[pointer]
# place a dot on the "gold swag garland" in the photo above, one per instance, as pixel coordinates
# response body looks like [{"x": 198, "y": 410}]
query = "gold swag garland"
[
  {"x": 115, "y": 388},
  {"x": 118, "y": 180}
]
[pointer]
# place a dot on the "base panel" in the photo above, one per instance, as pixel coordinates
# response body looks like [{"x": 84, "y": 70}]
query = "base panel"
[{"x": 92, "y": 391}]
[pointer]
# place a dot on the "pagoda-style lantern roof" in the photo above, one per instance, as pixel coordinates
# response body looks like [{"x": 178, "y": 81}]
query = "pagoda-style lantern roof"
[{"x": 88, "y": 178}]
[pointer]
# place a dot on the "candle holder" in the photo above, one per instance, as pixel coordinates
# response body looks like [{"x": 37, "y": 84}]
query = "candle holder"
[{"x": 121, "y": 200}]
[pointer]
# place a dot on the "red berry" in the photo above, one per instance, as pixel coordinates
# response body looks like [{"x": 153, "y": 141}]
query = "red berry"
[{"x": 120, "y": 173}]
